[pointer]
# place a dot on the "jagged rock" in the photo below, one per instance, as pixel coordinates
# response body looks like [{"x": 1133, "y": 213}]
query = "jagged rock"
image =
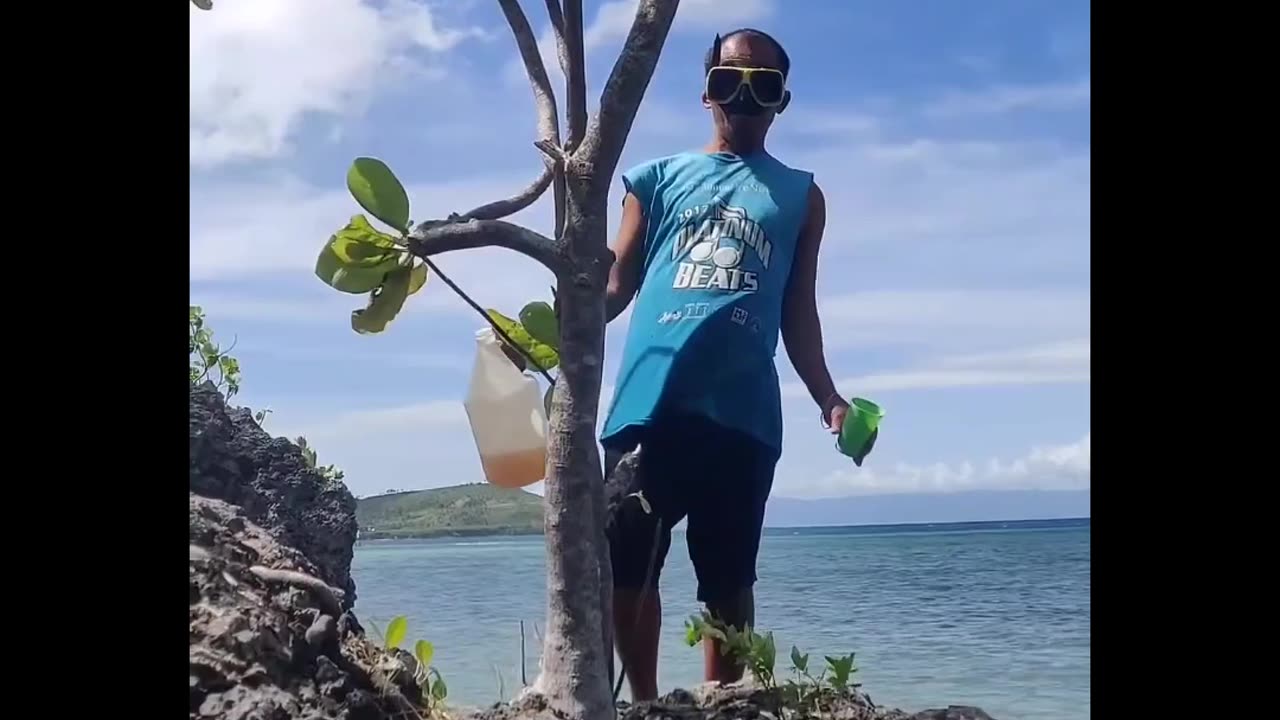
[
  {"x": 953, "y": 712},
  {"x": 234, "y": 459},
  {"x": 742, "y": 701},
  {"x": 266, "y": 650}
]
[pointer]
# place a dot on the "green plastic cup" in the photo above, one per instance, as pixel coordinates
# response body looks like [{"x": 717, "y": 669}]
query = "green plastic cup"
[{"x": 861, "y": 425}]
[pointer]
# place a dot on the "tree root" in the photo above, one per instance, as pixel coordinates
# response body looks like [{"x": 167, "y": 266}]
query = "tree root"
[{"x": 327, "y": 596}]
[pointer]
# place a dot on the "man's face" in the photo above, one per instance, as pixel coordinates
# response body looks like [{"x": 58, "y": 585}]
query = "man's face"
[{"x": 747, "y": 51}]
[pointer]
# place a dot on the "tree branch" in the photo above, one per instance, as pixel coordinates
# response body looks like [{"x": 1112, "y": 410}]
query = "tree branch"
[
  {"x": 325, "y": 595},
  {"x": 626, "y": 86},
  {"x": 557, "y": 29},
  {"x": 433, "y": 238},
  {"x": 573, "y": 61},
  {"x": 544, "y": 97},
  {"x": 511, "y": 206}
]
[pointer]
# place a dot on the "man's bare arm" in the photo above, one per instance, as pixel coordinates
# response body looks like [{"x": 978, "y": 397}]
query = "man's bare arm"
[
  {"x": 628, "y": 249},
  {"x": 801, "y": 328}
]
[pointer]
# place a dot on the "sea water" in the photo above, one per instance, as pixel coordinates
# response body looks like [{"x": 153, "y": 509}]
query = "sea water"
[{"x": 987, "y": 614}]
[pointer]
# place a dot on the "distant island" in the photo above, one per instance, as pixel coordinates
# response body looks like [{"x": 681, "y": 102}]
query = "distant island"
[
  {"x": 482, "y": 509},
  {"x": 458, "y": 511}
]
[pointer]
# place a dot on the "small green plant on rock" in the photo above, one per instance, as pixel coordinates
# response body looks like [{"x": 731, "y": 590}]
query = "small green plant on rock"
[
  {"x": 208, "y": 361},
  {"x": 428, "y": 678},
  {"x": 330, "y": 472},
  {"x": 758, "y": 653},
  {"x": 804, "y": 690}
]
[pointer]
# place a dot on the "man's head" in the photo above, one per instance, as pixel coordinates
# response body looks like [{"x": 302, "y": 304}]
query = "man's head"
[{"x": 744, "y": 102}]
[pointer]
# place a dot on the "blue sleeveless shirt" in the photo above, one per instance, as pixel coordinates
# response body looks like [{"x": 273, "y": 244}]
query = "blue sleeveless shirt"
[{"x": 722, "y": 232}]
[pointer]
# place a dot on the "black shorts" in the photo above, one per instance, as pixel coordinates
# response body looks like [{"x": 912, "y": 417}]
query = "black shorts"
[{"x": 716, "y": 477}]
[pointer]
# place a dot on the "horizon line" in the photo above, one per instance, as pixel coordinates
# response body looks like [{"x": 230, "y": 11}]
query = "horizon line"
[
  {"x": 932, "y": 522},
  {"x": 402, "y": 491}
]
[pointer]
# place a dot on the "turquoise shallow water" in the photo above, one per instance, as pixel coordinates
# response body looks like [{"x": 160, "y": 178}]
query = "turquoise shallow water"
[{"x": 988, "y": 614}]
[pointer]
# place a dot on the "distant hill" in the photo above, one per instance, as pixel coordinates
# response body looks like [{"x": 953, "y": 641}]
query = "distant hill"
[
  {"x": 462, "y": 510},
  {"x": 483, "y": 509}
]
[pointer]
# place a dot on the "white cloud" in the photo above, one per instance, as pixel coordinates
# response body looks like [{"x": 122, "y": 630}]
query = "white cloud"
[
  {"x": 1014, "y": 98},
  {"x": 1050, "y": 364},
  {"x": 367, "y": 357},
  {"x": 613, "y": 19},
  {"x": 320, "y": 307},
  {"x": 417, "y": 445},
  {"x": 419, "y": 417},
  {"x": 1063, "y": 467},
  {"x": 951, "y": 206},
  {"x": 1073, "y": 353},
  {"x": 937, "y": 379},
  {"x": 256, "y": 68},
  {"x": 948, "y": 319}
]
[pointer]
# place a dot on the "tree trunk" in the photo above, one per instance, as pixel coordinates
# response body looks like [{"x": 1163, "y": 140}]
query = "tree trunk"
[
  {"x": 576, "y": 669},
  {"x": 578, "y": 649}
]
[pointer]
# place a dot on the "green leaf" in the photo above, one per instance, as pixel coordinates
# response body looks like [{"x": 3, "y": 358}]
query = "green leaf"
[
  {"x": 376, "y": 188},
  {"x": 798, "y": 661},
  {"x": 840, "y": 670},
  {"x": 384, "y": 303},
  {"x": 769, "y": 652},
  {"x": 695, "y": 630},
  {"x": 360, "y": 244},
  {"x": 545, "y": 355},
  {"x": 540, "y": 320},
  {"x": 417, "y": 277},
  {"x": 423, "y": 651},
  {"x": 346, "y": 278},
  {"x": 832, "y": 663},
  {"x": 439, "y": 691},
  {"x": 691, "y": 636},
  {"x": 396, "y": 631}
]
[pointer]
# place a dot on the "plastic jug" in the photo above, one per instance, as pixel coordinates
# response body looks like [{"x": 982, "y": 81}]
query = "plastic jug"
[{"x": 508, "y": 422}]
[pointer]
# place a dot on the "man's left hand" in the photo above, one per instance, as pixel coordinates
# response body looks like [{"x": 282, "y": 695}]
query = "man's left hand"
[{"x": 833, "y": 415}]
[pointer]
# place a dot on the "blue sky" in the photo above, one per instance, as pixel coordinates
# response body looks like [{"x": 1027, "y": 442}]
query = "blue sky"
[{"x": 951, "y": 139}]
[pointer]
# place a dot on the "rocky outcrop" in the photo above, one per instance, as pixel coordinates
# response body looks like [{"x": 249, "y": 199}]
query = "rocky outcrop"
[
  {"x": 271, "y": 540},
  {"x": 744, "y": 701},
  {"x": 269, "y": 640},
  {"x": 235, "y": 460}
]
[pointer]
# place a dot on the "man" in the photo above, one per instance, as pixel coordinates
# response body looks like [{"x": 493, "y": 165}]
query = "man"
[{"x": 722, "y": 245}]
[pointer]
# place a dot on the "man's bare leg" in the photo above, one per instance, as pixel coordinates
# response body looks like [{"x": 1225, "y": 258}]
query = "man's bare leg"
[
  {"x": 636, "y": 628},
  {"x": 738, "y": 611}
]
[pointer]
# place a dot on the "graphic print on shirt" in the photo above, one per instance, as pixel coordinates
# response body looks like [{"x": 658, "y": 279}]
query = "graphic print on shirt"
[{"x": 711, "y": 246}]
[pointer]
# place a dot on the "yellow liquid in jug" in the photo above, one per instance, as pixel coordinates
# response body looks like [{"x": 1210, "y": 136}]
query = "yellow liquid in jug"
[{"x": 515, "y": 470}]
